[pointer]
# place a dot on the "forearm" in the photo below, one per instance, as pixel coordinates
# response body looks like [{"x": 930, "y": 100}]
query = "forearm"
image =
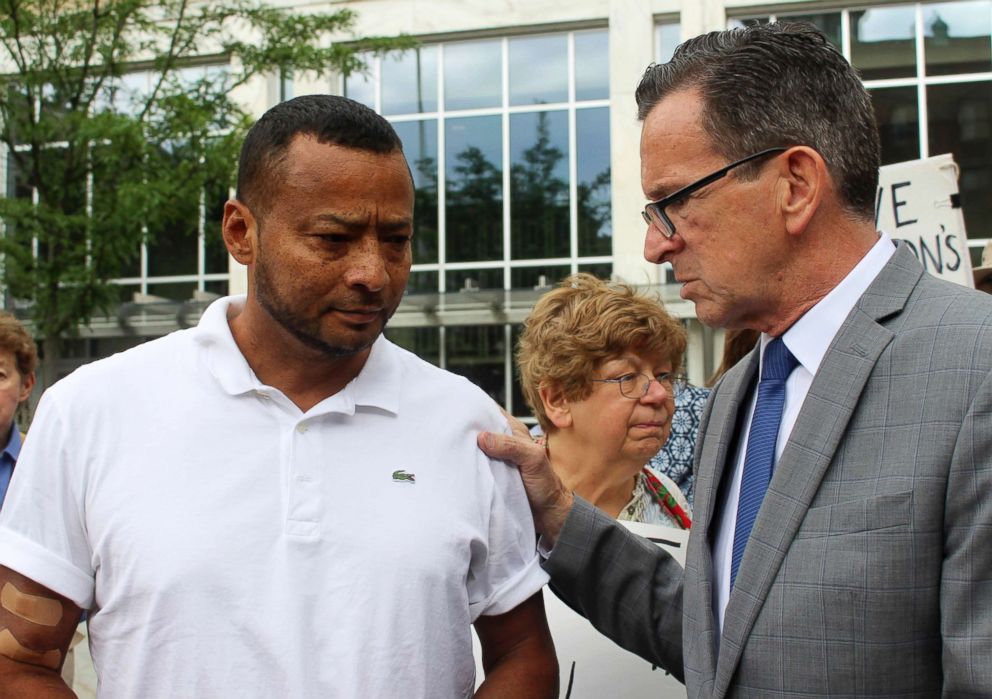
[
  {"x": 21, "y": 680},
  {"x": 518, "y": 654},
  {"x": 525, "y": 673},
  {"x": 629, "y": 589},
  {"x": 965, "y": 592}
]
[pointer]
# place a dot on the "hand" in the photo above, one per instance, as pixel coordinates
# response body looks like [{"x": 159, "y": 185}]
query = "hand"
[{"x": 549, "y": 500}]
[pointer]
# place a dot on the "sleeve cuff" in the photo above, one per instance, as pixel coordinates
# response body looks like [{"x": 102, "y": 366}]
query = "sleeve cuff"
[
  {"x": 512, "y": 592},
  {"x": 45, "y": 568}
]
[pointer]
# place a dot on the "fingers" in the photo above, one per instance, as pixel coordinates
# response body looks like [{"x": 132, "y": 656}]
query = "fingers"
[
  {"x": 517, "y": 449},
  {"x": 550, "y": 502},
  {"x": 518, "y": 428}
]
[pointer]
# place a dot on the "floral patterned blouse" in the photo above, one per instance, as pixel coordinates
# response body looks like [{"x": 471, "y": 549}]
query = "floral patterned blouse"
[{"x": 675, "y": 458}]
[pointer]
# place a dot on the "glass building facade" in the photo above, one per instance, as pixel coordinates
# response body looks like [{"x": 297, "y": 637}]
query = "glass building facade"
[
  {"x": 184, "y": 256},
  {"x": 524, "y": 154},
  {"x": 512, "y": 170}
]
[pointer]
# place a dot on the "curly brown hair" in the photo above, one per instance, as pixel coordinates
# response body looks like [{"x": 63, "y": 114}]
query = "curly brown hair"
[
  {"x": 16, "y": 340},
  {"x": 584, "y": 322}
]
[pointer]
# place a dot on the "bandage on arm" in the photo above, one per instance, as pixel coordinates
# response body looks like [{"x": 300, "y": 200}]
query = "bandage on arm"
[{"x": 36, "y": 626}]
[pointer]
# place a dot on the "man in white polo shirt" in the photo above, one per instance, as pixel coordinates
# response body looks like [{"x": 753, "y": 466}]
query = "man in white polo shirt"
[{"x": 279, "y": 502}]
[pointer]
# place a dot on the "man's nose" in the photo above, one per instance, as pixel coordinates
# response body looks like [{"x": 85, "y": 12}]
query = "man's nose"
[
  {"x": 657, "y": 246},
  {"x": 367, "y": 268}
]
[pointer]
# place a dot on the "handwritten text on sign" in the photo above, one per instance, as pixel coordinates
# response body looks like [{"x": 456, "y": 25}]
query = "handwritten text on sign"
[{"x": 918, "y": 202}]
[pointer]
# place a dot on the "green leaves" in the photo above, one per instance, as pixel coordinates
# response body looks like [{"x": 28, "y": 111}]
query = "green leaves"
[{"x": 120, "y": 118}]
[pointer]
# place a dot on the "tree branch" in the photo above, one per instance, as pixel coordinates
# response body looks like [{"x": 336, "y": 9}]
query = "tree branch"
[{"x": 170, "y": 57}]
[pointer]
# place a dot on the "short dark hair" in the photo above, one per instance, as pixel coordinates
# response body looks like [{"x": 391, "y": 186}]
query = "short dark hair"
[
  {"x": 16, "y": 340},
  {"x": 773, "y": 85},
  {"x": 328, "y": 118}
]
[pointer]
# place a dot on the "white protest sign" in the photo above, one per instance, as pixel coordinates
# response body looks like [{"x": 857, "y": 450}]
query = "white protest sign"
[
  {"x": 597, "y": 666},
  {"x": 918, "y": 202}
]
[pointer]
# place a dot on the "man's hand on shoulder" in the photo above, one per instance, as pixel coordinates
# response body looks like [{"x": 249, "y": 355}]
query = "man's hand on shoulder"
[{"x": 549, "y": 500}]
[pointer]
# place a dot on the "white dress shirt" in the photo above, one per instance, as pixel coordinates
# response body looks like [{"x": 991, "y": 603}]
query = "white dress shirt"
[{"x": 808, "y": 340}]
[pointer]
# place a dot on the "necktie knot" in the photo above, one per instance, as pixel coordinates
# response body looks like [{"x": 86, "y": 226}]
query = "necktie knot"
[{"x": 777, "y": 362}]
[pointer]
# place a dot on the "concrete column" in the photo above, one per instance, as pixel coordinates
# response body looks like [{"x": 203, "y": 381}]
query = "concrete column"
[
  {"x": 701, "y": 16},
  {"x": 631, "y": 50}
]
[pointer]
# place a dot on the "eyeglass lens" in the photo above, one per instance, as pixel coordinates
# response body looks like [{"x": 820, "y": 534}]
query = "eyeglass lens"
[
  {"x": 638, "y": 385},
  {"x": 653, "y": 216}
]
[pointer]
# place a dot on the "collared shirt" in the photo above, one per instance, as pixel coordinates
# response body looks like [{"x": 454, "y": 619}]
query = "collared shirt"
[
  {"x": 808, "y": 339},
  {"x": 338, "y": 552},
  {"x": 7, "y": 460}
]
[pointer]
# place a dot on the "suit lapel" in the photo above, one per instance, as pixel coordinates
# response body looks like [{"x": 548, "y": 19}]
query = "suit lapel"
[
  {"x": 823, "y": 418},
  {"x": 717, "y": 448},
  {"x": 719, "y": 443}
]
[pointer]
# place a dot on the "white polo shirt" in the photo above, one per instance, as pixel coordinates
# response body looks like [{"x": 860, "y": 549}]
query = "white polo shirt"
[{"x": 231, "y": 545}]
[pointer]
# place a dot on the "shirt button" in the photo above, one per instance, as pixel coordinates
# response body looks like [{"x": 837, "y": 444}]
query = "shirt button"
[{"x": 302, "y": 429}]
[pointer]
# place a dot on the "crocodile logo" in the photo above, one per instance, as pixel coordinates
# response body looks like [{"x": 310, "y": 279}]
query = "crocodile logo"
[{"x": 401, "y": 476}]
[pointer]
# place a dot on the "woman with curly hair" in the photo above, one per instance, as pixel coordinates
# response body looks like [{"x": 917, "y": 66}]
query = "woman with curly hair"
[{"x": 600, "y": 367}]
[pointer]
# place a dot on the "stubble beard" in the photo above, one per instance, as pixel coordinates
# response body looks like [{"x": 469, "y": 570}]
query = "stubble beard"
[{"x": 307, "y": 331}]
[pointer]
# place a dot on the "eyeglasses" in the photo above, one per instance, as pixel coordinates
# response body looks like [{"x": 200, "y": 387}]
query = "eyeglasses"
[
  {"x": 654, "y": 213},
  {"x": 636, "y": 385}
]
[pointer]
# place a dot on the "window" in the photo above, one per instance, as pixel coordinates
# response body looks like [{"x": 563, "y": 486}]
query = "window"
[
  {"x": 184, "y": 254},
  {"x": 928, "y": 68},
  {"x": 667, "y": 36},
  {"x": 512, "y": 172}
]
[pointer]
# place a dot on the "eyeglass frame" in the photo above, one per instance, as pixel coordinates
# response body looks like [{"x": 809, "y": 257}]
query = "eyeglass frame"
[
  {"x": 660, "y": 219},
  {"x": 673, "y": 383}
]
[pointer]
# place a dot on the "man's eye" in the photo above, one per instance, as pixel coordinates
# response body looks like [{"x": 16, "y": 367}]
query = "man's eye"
[{"x": 399, "y": 239}]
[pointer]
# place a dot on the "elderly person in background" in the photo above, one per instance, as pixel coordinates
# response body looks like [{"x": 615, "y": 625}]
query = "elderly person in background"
[
  {"x": 18, "y": 359},
  {"x": 599, "y": 366}
]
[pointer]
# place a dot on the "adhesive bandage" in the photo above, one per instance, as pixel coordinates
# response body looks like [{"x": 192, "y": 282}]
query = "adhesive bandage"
[
  {"x": 33, "y": 608},
  {"x": 12, "y": 648}
]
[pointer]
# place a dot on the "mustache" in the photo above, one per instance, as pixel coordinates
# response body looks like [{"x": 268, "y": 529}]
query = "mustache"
[{"x": 359, "y": 302}]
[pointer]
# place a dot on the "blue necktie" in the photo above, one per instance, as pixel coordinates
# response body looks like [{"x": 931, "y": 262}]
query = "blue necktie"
[{"x": 777, "y": 364}]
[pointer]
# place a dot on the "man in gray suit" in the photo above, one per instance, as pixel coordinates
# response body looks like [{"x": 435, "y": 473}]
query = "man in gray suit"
[{"x": 861, "y": 565}]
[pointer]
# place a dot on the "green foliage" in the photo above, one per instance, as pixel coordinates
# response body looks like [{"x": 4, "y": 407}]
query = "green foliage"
[{"x": 115, "y": 162}]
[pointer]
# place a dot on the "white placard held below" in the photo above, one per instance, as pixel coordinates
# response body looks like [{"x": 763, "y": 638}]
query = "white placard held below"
[{"x": 601, "y": 667}]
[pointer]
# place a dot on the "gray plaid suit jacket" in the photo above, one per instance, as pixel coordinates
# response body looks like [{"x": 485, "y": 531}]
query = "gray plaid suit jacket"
[{"x": 869, "y": 569}]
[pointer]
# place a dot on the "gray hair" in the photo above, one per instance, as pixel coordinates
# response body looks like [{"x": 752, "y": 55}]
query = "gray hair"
[{"x": 774, "y": 85}]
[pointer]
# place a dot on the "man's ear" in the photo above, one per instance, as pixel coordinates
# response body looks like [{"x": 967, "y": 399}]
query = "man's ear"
[
  {"x": 556, "y": 406},
  {"x": 240, "y": 231},
  {"x": 802, "y": 187}
]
